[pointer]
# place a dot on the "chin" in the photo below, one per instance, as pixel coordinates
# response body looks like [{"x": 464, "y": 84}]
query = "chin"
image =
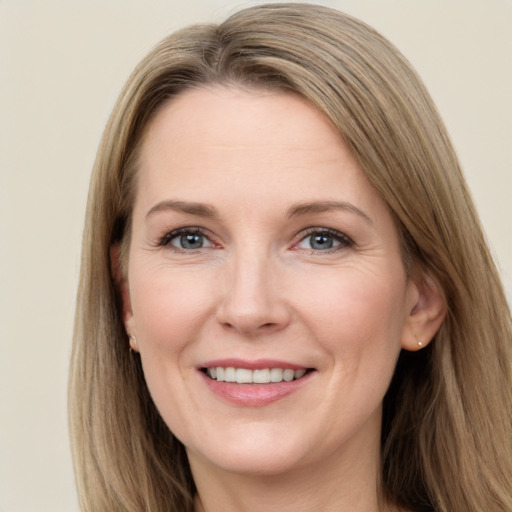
[
  {"x": 252, "y": 455},
  {"x": 272, "y": 463}
]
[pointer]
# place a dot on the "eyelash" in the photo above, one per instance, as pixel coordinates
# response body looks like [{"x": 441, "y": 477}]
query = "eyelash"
[
  {"x": 166, "y": 240},
  {"x": 344, "y": 240}
]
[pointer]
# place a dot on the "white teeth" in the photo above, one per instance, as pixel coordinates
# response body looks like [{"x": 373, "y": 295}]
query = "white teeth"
[
  {"x": 288, "y": 375},
  {"x": 261, "y": 376},
  {"x": 299, "y": 373},
  {"x": 276, "y": 375},
  {"x": 230, "y": 375},
  {"x": 245, "y": 376}
]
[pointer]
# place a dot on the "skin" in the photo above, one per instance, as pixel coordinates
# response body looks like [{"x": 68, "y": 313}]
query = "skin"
[{"x": 259, "y": 287}]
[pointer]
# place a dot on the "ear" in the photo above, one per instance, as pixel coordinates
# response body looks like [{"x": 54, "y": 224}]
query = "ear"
[
  {"x": 121, "y": 284},
  {"x": 427, "y": 310}
]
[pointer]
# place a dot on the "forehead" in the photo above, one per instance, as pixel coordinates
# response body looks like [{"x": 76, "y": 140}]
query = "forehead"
[
  {"x": 243, "y": 136},
  {"x": 222, "y": 116}
]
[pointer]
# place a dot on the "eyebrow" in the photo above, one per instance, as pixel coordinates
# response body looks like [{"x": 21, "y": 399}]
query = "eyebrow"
[
  {"x": 199, "y": 209},
  {"x": 209, "y": 211},
  {"x": 325, "y": 206}
]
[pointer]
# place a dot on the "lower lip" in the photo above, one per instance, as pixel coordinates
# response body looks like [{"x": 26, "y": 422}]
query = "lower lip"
[{"x": 254, "y": 395}]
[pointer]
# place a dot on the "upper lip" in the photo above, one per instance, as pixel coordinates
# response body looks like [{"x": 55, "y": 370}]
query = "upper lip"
[{"x": 258, "y": 364}]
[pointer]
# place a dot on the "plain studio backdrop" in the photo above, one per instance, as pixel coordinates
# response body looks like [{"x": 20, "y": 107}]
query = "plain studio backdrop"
[{"x": 62, "y": 65}]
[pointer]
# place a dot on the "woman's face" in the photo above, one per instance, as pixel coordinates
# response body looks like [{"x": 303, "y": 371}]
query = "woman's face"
[{"x": 261, "y": 253}]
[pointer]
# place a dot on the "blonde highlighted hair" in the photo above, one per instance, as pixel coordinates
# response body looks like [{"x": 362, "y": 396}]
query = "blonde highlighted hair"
[{"x": 447, "y": 427}]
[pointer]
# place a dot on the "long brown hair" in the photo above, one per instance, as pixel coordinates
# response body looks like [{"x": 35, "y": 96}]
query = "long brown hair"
[{"x": 446, "y": 435}]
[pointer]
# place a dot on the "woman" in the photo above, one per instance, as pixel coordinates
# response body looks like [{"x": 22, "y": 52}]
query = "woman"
[{"x": 279, "y": 230}]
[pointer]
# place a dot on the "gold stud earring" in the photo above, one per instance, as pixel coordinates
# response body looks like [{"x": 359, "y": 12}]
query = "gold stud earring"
[{"x": 133, "y": 343}]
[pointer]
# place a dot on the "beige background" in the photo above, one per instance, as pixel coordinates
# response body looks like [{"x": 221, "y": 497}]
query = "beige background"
[{"x": 62, "y": 65}]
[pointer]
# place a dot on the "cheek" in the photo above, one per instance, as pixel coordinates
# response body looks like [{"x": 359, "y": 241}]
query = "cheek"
[
  {"x": 357, "y": 311},
  {"x": 363, "y": 337},
  {"x": 167, "y": 306}
]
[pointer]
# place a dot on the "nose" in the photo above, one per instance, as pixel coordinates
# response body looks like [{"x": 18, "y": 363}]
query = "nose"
[{"x": 253, "y": 302}]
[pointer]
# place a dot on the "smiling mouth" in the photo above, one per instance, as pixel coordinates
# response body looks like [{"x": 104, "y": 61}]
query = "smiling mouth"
[{"x": 260, "y": 376}]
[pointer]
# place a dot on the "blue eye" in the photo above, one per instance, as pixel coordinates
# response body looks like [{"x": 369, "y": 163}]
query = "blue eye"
[
  {"x": 321, "y": 242},
  {"x": 324, "y": 240},
  {"x": 186, "y": 240}
]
